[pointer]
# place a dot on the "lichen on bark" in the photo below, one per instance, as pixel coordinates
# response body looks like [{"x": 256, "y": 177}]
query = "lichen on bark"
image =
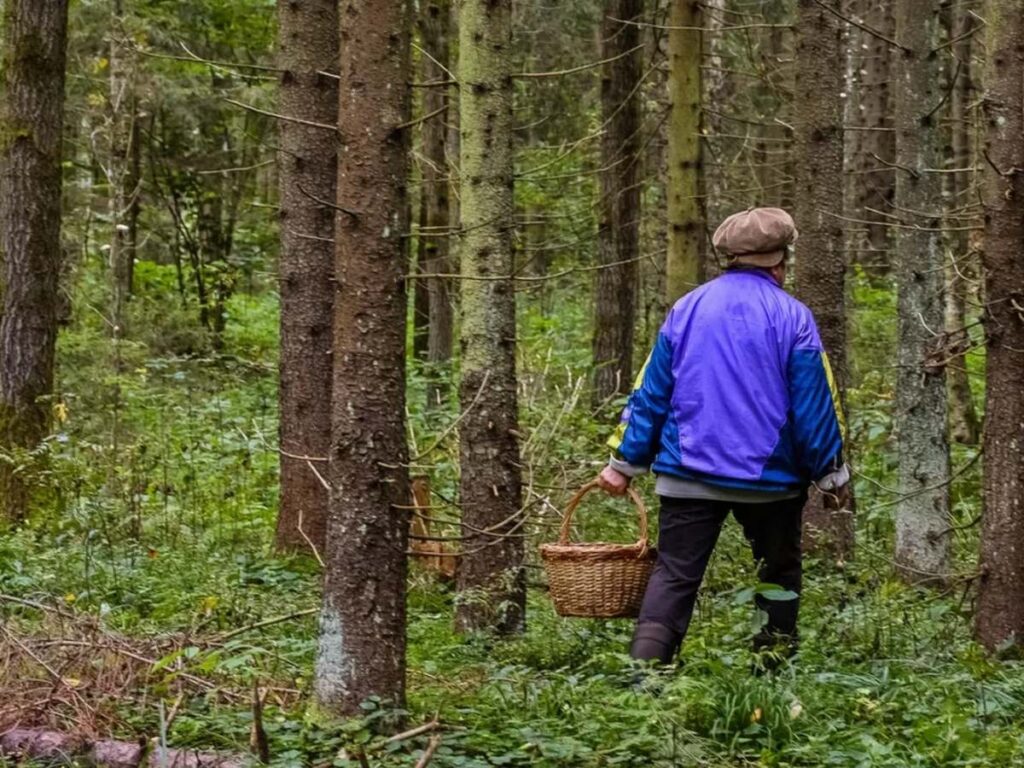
[{"x": 490, "y": 576}]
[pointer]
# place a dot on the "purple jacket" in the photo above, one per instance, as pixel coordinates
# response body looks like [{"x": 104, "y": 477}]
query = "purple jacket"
[{"x": 737, "y": 391}]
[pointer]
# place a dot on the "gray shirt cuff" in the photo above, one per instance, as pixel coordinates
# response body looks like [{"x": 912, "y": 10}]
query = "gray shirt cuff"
[{"x": 625, "y": 468}]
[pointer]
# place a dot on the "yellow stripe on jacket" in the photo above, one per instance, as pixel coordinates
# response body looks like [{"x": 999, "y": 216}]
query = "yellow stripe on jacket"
[{"x": 834, "y": 390}]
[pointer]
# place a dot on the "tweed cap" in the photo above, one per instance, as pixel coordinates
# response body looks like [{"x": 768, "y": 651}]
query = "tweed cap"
[{"x": 757, "y": 236}]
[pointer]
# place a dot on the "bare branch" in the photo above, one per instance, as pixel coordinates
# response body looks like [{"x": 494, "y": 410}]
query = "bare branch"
[
  {"x": 287, "y": 118},
  {"x": 582, "y": 67},
  {"x": 864, "y": 27}
]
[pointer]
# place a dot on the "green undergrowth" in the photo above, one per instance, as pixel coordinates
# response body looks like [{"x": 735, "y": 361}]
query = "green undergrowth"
[{"x": 163, "y": 495}]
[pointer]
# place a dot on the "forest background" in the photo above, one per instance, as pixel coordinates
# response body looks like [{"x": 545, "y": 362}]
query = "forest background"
[{"x": 168, "y": 523}]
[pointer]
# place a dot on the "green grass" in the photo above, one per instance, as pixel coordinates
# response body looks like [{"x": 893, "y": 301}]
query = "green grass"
[{"x": 163, "y": 499}]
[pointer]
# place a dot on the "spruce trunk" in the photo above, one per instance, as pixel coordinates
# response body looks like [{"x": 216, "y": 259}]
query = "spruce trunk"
[
  {"x": 307, "y": 168},
  {"x": 922, "y": 515},
  {"x": 615, "y": 284},
  {"x": 684, "y": 266},
  {"x": 1000, "y": 617},
  {"x": 435, "y": 254},
  {"x": 872, "y": 141},
  {"x": 31, "y": 118},
  {"x": 361, "y": 650},
  {"x": 490, "y": 578},
  {"x": 119, "y": 169},
  {"x": 963, "y": 420},
  {"x": 820, "y": 257}
]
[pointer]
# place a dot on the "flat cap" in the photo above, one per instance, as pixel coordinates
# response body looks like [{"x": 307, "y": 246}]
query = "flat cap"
[{"x": 756, "y": 236}]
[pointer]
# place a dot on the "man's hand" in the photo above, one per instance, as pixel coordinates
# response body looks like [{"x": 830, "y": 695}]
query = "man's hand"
[
  {"x": 613, "y": 482},
  {"x": 839, "y": 499}
]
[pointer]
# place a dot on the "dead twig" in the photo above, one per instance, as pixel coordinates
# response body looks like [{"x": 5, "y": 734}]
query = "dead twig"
[
  {"x": 267, "y": 623},
  {"x": 305, "y": 536},
  {"x": 428, "y": 753},
  {"x": 286, "y": 118},
  {"x": 863, "y": 27},
  {"x": 413, "y": 732}
]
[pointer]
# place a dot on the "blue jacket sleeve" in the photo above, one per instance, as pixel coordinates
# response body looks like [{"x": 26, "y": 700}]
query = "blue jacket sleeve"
[
  {"x": 637, "y": 438},
  {"x": 818, "y": 424}
]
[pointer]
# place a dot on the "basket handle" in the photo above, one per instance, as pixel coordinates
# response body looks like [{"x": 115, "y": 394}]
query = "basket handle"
[{"x": 570, "y": 509}]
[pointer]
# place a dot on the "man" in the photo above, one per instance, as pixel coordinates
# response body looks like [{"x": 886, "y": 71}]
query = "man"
[{"x": 735, "y": 410}]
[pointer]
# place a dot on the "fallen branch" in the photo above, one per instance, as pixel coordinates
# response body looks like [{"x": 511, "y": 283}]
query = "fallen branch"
[
  {"x": 428, "y": 753},
  {"x": 413, "y": 732},
  {"x": 267, "y": 623}
]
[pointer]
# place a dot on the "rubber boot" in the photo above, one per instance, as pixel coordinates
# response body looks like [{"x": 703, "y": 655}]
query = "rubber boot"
[{"x": 654, "y": 642}]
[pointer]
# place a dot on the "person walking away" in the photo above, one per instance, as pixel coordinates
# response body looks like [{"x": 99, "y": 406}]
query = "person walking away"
[{"x": 735, "y": 410}]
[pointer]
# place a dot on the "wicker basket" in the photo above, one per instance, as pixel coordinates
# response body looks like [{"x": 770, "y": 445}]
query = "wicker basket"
[{"x": 597, "y": 580}]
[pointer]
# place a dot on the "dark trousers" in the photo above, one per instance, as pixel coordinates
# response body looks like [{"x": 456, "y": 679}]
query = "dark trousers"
[{"x": 688, "y": 532}]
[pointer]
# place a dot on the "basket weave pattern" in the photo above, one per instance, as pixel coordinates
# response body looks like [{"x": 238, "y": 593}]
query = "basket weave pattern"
[{"x": 598, "y": 580}]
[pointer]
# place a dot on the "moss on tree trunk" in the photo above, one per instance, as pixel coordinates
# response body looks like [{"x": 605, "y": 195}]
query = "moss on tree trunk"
[
  {"x": 490, "y": 579},
  {"x": 684, "y": 267}
]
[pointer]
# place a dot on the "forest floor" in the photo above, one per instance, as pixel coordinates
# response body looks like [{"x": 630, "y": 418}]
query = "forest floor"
[{"x": 150, "y": 591}]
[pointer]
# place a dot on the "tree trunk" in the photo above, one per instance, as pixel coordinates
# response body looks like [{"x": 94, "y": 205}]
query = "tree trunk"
[
  {"x": 119, "y": 168},
  {"x": 420, "y": 292},
  {"x": 685, "y": 267},
  {"x": 653, "y": 228},
  {"x": 922, "y": 515},
  {"x": 615, "y": 286},
  {"x": 717, "y": 87},
  {"x": 307, "y": 168},
  {"x": 135, "y": 185},
  {"x": 490, "y": 576},
  {"x": 1000, "y": 615},
  {"x": 872, "y": 142},
  {"x": 820, "y": 258},
  {"x": 963, "y": 420},
  {"x": 31, "y": 118},
  {"x": 362, "y": 622},
  {"x": 435, "y": 238}
]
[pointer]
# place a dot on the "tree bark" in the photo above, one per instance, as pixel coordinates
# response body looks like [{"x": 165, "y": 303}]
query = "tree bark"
[
  {"x": 963, "y": 420},
  {"x": 435, "y": 254},
  {"x": 618, "y": 235},
  {"x": 653, "y": 226},
  {"x": 873, "y": 144},
  {"x": 420, "y": 293},
  {"x": 684, "y": 267},
  {"x": 31, "y": 118},
  {"x": 119, "y": 168},
  {"x": 361, "y": 649},
  {"x": 922, "y": 515},
  {"x": 307, "y": 168},
  {"x": 820, "y": 257},
  {"x": 490, "y": 577},
  {"x": 1000, "y": 616}
]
